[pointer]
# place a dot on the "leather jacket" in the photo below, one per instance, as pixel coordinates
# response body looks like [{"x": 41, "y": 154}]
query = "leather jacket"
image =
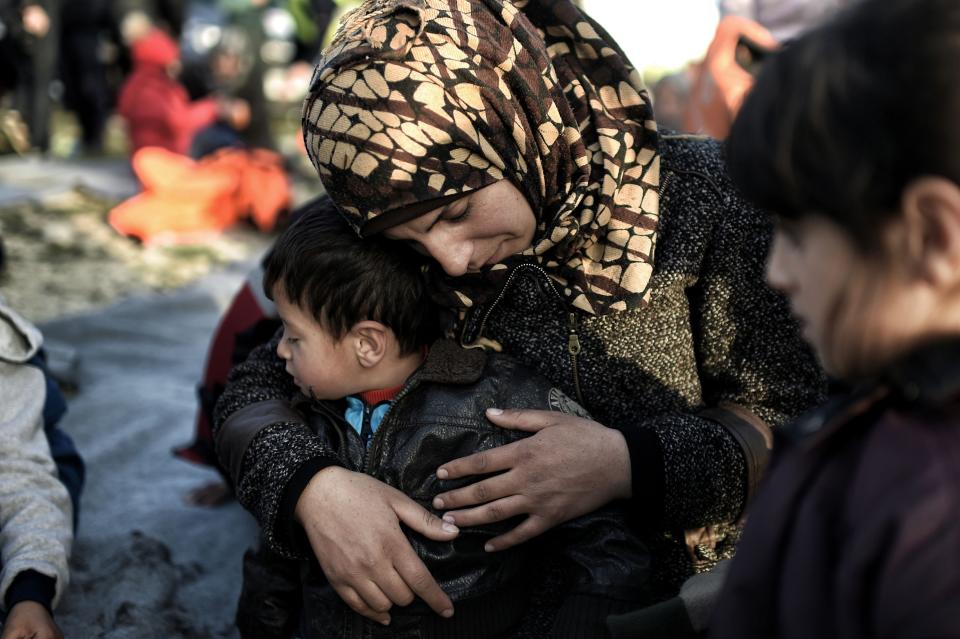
[{"x": 439, "y": 416}]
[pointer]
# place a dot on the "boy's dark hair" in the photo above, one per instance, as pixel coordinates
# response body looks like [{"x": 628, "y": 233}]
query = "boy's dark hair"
[
  {"x": 844, "y": 118},
  {"x": 326, "y": 269}
]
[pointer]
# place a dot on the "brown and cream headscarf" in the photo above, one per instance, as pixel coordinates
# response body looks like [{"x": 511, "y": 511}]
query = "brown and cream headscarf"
[{"x": 415, "y": 100}]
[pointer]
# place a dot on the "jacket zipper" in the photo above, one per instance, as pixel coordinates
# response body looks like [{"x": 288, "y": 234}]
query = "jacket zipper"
[
  {"x": 365, "y": 432},
  {"x": 377, "y": 439},
  {"x": 574, "y": 348},
  {"x": 573, "y": 341}
]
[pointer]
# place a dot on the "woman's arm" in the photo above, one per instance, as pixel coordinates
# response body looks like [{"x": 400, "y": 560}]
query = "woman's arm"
[
  {"x": 291, "y": 482},
  {"x": 685, "y": 470}
]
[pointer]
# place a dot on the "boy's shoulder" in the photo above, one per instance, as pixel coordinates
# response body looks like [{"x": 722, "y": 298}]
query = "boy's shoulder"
[{"x": 19, "y": 339}]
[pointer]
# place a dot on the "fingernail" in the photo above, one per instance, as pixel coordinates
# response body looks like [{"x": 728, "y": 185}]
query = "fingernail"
[
  {"x": 438, "y": 503},
  {"x": 447, "y": 517},
  {"x": 385, "y": 622},
  {"x": 494, "y": 411},
  {"x": 442, "y": 473},
  {"x": 488, "y": 547},
  {"x": 447, "y": 613},
  {"x": 448, "y": 527}
]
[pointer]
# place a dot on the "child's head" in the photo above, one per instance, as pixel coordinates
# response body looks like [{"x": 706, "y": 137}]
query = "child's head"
[
  {"x": 355, "y": 311},
  {"x": 851, "y": 136}
]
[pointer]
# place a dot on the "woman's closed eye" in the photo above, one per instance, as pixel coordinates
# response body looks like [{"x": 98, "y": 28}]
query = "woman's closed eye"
[{"x": 456, "y": 215}]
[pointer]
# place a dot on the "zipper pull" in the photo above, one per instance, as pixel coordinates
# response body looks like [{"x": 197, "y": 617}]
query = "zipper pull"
[{"x": 573, "y": 343}]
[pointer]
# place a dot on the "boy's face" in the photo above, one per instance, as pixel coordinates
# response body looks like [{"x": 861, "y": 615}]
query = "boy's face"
[
  {"x": 323, "y": 368},
  {"x": 857, "y": 312}
]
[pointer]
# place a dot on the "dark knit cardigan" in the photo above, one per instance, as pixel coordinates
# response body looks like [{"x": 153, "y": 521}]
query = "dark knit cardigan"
[{"x": 692, "y": 380}]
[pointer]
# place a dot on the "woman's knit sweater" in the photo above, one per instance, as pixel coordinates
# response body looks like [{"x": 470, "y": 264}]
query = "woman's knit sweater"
[{"x": 692, "y": 380}]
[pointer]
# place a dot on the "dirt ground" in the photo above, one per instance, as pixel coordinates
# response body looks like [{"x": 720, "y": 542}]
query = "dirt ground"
[{"x": 62, "y": 258}]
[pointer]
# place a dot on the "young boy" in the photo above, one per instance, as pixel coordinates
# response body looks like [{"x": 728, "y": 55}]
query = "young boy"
[
  {"x": 36, "y": 530},
  {"x": 851, "y": 136},
  {"x": 387, "y": 397}
]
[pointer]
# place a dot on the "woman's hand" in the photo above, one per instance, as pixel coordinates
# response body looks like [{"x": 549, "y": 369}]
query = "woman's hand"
[
  {"x": 30, "y": 620},
  {"x": 353, "y": 523},
  {"x": 570, "y": 467}
]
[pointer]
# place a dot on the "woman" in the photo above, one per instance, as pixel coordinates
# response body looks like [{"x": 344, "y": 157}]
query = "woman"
[{"x": 514, "y": 144}]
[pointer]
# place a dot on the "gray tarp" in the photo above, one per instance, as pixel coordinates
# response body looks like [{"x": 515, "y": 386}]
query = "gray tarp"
[{"x": 145, "y": 565}]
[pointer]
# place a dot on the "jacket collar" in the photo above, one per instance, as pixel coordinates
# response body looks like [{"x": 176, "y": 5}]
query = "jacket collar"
[
  {"x": 928, "y": 376},
  {"x": 448, "y": 363}
]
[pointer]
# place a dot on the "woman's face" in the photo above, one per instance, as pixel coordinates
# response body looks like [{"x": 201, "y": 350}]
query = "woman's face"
[{"x": 480, "y": 229}]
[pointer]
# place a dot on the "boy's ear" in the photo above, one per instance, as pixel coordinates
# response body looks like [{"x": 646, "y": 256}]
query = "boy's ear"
[
  {"x": 931, "y": 224},
  {"x": 369, "y": 340}
]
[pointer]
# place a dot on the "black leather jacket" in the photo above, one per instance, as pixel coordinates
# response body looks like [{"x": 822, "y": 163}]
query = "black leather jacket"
[{"x": 439, "y": 416}]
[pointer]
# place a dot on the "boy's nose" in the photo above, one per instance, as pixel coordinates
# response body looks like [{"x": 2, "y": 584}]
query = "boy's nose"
[
  {"x": 283, "y": 352},
  {"x": 778, "y": 273}
]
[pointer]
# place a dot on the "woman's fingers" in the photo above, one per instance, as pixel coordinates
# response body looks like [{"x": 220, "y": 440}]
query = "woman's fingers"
[
  {"x": 415, "y": 575},
  {"x": 359, "y": 605},
  {"x": 503, "y": 457},
  {"x": 488, "y": 513},
  {"x": 353, "y": 523},
  {"x": 422, "y": 520},
  {"x": 482, "y": 492},
  {"x": 487, "y": 461},
  {"x": 411, "y": 569},
  {"x": 395, "y": 588},
  {"x": 531, "y": 421},
  {"x": 530, "y": 527}
]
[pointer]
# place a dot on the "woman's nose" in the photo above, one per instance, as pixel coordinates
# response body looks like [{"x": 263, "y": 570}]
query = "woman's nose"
[{"x": 453, "y": 257}]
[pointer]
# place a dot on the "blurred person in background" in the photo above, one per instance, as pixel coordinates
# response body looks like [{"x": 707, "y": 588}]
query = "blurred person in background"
[
  {"x": 749, "y": 30},
  {"x": 784, "y": 19},
  {"x": 244, "y": 43},
  {"x": 156, "y": 106},
  {"x": 312, "y": 19},
  {"x": 136, "y": 17},
  {"x": 30, "y": 37},
  {"x": 82, "y": 70}
]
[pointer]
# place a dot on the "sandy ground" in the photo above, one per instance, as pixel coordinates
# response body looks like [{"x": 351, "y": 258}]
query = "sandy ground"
[{"x": 145, "y": 564}]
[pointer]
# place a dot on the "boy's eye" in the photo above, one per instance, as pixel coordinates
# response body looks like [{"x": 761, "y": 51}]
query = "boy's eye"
[
  {"x": 791, "y": 231},
  {"x": 292, "y": 340}
]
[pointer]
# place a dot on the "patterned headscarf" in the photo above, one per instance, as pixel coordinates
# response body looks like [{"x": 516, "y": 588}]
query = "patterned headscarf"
[{"x": 415, "y": 100}]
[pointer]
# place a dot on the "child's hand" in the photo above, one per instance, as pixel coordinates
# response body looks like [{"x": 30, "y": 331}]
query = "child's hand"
[
  {"x": 235, "y": 112},
  {"x": 353, "y": 523},
  {"x": 30, "y": 620}
]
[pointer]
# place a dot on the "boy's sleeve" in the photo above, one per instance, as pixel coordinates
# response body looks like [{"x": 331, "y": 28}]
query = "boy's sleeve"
[{"x": 35, "y": 511}]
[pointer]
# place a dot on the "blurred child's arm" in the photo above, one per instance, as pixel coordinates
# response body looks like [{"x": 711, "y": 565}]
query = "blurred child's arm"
[
  {"x": 30, "y": 620},
  {"x": 35, "y": 510}
]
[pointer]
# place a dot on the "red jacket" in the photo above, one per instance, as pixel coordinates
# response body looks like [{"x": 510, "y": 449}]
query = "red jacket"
[{"x": 156, "y": 107}]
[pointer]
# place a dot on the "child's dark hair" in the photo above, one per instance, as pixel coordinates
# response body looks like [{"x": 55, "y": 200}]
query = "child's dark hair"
[
  {"x": 328, "y": 270},
  {"x": 844, "y": 118}
]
